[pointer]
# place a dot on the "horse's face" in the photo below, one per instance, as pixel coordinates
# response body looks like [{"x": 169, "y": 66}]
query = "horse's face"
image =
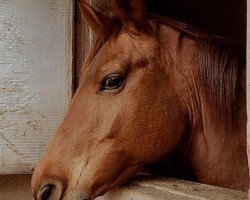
[{"x": 125, "y": 115}]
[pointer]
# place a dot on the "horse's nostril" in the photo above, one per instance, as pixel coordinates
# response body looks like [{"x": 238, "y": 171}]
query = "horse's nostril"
[
  {"x": 46, "y": 192},
  {"x": 50, "y": 189}
]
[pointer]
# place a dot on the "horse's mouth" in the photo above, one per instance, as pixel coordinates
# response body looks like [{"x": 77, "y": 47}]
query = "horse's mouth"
[{"x": 85, "y": 197}]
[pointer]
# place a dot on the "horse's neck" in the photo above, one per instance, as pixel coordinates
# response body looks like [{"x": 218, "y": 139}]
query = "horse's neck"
[{"x": 216, "y": 156}]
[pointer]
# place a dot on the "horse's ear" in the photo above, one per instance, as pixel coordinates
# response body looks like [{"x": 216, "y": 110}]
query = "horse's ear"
[
  {"x": 132, "y": 13},
  {"x": 93, "y": 18}
]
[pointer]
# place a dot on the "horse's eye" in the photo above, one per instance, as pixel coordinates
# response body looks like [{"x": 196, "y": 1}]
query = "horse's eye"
[{"x": 112, "y": 82}]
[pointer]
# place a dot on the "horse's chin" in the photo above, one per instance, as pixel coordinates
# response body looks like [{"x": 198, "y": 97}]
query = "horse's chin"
[{"x": 102, "y": 190}]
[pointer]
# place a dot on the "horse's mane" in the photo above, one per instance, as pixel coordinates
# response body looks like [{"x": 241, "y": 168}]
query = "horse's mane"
[
  {"x": 218, "y": 63},
  {"x": 217, "y": 60}
]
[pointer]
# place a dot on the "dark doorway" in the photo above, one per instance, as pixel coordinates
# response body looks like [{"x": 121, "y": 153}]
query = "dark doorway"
[{"x": 226, "y": 18}]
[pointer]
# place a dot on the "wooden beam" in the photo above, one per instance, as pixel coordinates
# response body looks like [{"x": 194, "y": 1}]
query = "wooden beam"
[{"x": 155, "y": 188}]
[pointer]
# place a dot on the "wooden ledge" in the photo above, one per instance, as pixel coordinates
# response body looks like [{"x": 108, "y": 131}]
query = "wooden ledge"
[{"x": 154, "y": 188}]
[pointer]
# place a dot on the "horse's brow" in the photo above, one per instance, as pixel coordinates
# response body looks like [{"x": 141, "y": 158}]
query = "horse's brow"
[
  {"x": 142, "y": 62},
  {"x": 119, "y": 64},
  {"x": 125, "y": 63}
]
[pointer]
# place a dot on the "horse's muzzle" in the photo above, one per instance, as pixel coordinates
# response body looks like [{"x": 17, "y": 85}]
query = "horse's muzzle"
[{"x": 53, "y": 190}]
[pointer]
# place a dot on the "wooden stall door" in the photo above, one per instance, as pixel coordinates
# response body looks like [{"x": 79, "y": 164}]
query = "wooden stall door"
[{"x": 35, "y": 77}]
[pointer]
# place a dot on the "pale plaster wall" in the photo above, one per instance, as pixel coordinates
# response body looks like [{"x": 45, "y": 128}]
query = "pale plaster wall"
[{"x": 15, "y": 187}]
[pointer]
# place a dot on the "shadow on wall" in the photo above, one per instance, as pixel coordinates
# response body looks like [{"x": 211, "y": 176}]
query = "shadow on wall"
[{"x": 226, "y": 18}]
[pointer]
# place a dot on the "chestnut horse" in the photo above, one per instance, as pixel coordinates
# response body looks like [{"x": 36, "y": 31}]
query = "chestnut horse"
[{"x": 151, "y": 89}]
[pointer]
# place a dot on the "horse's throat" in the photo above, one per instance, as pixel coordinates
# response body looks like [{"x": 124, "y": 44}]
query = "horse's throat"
[{"x": 219, "y": 158}]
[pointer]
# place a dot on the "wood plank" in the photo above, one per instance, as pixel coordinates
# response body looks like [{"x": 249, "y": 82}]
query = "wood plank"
[
  {"x": 155, "y": 188},
  {"x": 35, "y": 77}
]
